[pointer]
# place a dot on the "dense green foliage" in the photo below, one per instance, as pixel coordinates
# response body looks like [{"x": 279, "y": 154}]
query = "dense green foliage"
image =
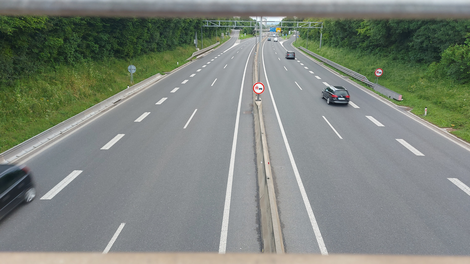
[
  {"x": 445, "y": 43},
  {"x": 30, "y": 44}
]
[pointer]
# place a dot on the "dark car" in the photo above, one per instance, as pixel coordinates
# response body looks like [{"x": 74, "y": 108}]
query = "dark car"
[
  {"x": 290, "y": 55},
  {"x": 16, "y": 187},
  {"x": 336, "y": 94},
  {"x": 269, "y": 39}
]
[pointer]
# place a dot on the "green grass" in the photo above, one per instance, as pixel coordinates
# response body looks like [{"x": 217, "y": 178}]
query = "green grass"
[
  {"x": 43, "y": 100},
  {"x": 448, "y": 102},
  {"x": 245, "y": 37}
]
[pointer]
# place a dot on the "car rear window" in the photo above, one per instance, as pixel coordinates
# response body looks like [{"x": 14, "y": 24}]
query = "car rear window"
[{"x": 341, "y": 92}]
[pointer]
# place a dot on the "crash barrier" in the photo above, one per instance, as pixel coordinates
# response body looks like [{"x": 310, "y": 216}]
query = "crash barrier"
[
  {"x": 271, "y": 232},
  {"x": 199, "y": 52},
  {"x": 43, "y": 138},
  {"x": 377, "y": 87}
]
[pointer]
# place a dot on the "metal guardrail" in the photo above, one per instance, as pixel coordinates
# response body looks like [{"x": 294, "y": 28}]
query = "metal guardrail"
[
  {"x": 199, "y": 52},
  {"x": 377, "y": 87}
]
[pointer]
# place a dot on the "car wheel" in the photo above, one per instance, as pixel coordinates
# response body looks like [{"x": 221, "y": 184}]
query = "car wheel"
[
  {"x": 29, "y": 195},
  {"x": 327, "y": 100}
]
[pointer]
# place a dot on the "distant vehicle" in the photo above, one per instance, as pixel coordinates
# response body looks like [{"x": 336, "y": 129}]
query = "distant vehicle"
[
  {"x": 275, "y": 39},
  {"x": 336, "y": 94},
  {"x": 290, "y": 55},
  {"x": 269, "y": 39},
  {"x": 16, "y": 187}
]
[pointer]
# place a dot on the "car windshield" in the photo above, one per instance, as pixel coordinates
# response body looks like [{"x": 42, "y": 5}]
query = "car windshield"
[{"x": 341, "y": 92}]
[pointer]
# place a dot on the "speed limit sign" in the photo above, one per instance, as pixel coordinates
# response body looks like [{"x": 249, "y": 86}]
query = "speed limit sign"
[
  {"x": 258, "y": 88},
  {"x": 379, "y": 72}
]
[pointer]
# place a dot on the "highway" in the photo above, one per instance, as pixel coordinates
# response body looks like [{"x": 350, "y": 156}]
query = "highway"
[
  {"x": 172, "y": 169},
  {"x": 362, "y": 178},
  {"x": 155, "y": 172}
]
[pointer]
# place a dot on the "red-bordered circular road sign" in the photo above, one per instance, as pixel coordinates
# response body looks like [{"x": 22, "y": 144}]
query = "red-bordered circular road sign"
[
  {"x": 379, "y": 72},
  {"x": 258, "y": 88}
]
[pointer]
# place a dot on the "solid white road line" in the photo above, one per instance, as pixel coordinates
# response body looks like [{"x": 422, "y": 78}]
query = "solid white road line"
[
  {"x": 174, "y": 90},
  {"x": 187, "y": 123},
  {"x": 144, "y": 115},
  {"x": 214, "y": 82},
  {"x": 298, "y": 86},
  {"x": 198, "y": 70},
  {"x": 326, "y": 84},
  {"x": 285, "y": 68},
  {"x": 409, "y": 147},
  {"x": 311, "y": 72},
  {"x": 112, "y": 142},
  {"x": 353, "y": 104},
  {"x": 113, "y": 239},
  {"x": 185, "y": 81},
  {"x": 377, "y": 123},
  {"x": 228, "y": 194},
  {"x": 332, "y": 128},
  {"x": 460, "y": 184},
  {"x": 318, "y": 77},
  {"x": 192, "y": 75},
  {"x": 161, "y": 101},
  {"x": 61, "y": 185},
  {"x": 225, "y": 66},
  {"x": 308, "y": 207}
]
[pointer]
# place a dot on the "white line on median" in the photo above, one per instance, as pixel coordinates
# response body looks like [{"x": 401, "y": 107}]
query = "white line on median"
[
  {"x": 298, "y": 85},
  {"x": 161, "y": 101},
  {"x": 225, "y": 66},
  {"x": 318, "y": 77},
  {"x": 353, "y": 104},
  {"x": 332, "y": 128},
  {"x": 460, "y": 184},
  {"x": 285, "y": 68},
  {"x": 192, "y": 75},
  {"x": 185, "y": 81},
  {"x": 61, "y": 185},
  {"x": 308, "y": 206},
  {"x": 112, "y": 142},
  {"x": 214, "y": 82},
  {"x": 409, "y": 147},
  {"x": 144, "y": 115},
  {"x": 113, "y": 239},
  {"x": 174, "y": 90},
  {"x": 377, "y": 123},
  {"x": 187, "y": 123},
  {"x": 228, "y": 194}
]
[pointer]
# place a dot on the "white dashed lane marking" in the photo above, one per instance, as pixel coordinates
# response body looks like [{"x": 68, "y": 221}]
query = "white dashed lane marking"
[
  {"x": 353, "y": 104},
  {"x": 112, "y": 142},
  {"x": 141, "y": 117},
  {"x": 161, "y": 101},
  {"x": 185, "y": 81},
  {"x": 174, "y": 90},
  {"x": 214, "y": 82},
  {"x": 460, "y": 184},
  {"x": 409, "y": 147},
  {"x": 285, "y": 68},
  {"x": 318, "y": 77},
  {"x": 61, "y": 185},
  {"x": 192, "y": 75},
  {"x": 377, "y": 123}
]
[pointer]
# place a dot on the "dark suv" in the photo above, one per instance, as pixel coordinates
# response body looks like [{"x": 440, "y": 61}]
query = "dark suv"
[
  {"x": 290, "y": 55},
  {"x": 336, "y": 94},
  {"x": 16, "y": 187}
]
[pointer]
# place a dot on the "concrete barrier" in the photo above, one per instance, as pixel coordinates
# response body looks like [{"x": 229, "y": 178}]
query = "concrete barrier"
[{"x": 379, "y": 88}]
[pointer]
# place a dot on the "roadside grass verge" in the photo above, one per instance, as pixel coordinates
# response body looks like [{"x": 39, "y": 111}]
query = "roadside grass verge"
[
  {"x": 448, "y": 102},
  {"x": 245, "y": 37},
  {"x": 43, "y": 100}
]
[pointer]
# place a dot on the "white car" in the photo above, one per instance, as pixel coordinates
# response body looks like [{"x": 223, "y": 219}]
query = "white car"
[{"x": 275, "y": 39}]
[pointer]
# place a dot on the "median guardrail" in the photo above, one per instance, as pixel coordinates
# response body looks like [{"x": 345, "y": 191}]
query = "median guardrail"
[
  {"x": 377, "y": 87},
  {"x": 204, "y": 50}
]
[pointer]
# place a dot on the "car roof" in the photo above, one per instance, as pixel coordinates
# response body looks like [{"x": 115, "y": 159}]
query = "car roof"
[
  {"x": 290, "y": 51},
  {"x": 5, "y": 167},
  {"x": 337, "y": 87}
]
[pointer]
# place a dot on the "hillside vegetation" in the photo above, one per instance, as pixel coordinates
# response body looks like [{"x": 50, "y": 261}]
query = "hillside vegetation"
[{"x": 427, "y": 61}]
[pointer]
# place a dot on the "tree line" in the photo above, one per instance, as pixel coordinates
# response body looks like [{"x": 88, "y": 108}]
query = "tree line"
[
  {"x": 443, "y": 44},
  {"x": 29, "y": 44}
]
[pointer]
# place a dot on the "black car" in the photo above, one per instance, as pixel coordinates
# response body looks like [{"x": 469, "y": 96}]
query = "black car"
[
  {"x": 16, "y": 187},
  {"x": 336, "y": 94},
  {"x": 269, "y": 39},
  {"x": 290, "y": 55}
]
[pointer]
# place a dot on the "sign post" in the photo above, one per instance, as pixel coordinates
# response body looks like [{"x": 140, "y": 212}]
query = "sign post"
[
  {"x": 258, "y": 88},
  {"x": 131, "y": 69},
  {"x": 378, "y": 73}
]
